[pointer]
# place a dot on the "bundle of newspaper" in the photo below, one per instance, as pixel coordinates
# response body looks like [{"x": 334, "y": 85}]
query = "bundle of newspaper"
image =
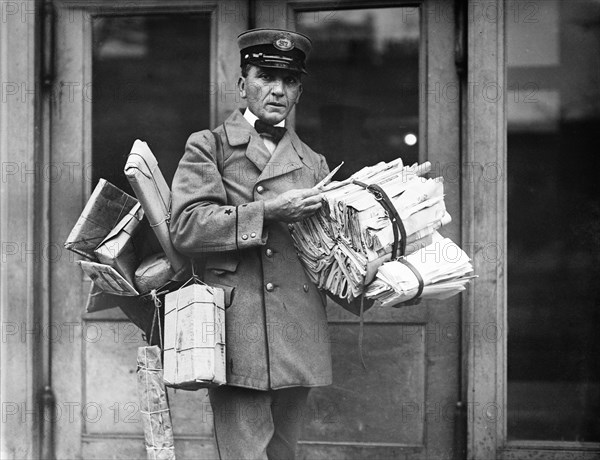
[
  {"x": 437, "y": 271},
  {"x": 351, "y": 236}
]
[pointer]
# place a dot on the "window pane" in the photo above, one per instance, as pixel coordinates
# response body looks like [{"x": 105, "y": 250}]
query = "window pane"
[
  {"x": 553, "y": 220},
  {"x": 361, "y": 100},
  {"x": 150, "y": 81}
]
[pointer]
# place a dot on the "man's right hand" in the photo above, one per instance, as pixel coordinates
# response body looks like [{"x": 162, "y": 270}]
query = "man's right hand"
[{"x": 293, "y": 205}]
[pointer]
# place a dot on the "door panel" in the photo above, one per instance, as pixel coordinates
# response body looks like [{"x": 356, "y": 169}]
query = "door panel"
[
  {"x": 124, "y": 71},
  {"x": 377, "y": 75}
]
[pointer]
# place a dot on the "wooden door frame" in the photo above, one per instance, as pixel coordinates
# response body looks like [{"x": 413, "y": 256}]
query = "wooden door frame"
[
  {"x": 23, "y": 230},
  {"x": 484, "y": 222}
]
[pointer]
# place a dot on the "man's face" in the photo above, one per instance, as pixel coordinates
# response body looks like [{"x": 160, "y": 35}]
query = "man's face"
[{"x": 271, "y": 93}]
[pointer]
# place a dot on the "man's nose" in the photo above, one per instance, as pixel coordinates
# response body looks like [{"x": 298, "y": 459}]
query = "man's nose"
[{"x": 277, "y": 87}]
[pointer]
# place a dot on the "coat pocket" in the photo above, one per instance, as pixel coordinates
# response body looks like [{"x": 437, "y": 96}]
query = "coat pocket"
[
  {"x": 221, "y": 263},
  {"x": 229, "y": 292}
]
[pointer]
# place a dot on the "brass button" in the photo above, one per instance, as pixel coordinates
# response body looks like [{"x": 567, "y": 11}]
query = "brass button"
[
  {"x": 305, "y": 287},
  {"x": 270, "y": 287},
  {"x": 269, "y": 252},
  {"x": 252, "y": 235},
  {"x": 260, "y": 189},
  {"x": 244, "y": 236}
]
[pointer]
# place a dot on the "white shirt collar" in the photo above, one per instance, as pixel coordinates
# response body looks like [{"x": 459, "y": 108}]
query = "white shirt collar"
[{"x": 251, "y": 118}]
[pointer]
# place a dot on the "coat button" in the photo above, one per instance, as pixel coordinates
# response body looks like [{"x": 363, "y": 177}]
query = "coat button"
[
  {"x": 270, "y": 287},
  {"x": 260, "y": 189},
  {"x": 269, "y": 252},
  {"x": 252, "y": 235},
  {"x": 305, "y": 287},
  {"x": 244, "y": 236}
]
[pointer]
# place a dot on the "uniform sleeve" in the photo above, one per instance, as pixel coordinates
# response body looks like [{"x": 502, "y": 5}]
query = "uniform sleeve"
[{"x": 201, "y": 219}]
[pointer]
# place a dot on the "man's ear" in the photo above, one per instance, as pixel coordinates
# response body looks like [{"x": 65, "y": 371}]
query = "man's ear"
[
  {"x": 242, "y": 87},
  {"x": 299, "y": 93}
]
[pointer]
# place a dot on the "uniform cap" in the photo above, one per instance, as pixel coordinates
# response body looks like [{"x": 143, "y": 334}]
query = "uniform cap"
[{"x": 274, "y": 48}]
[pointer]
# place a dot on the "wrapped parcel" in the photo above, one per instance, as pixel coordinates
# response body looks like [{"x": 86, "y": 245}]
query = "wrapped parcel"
[
  {"x": 194, "y": 349},
  {"x": 103, "y": 211},
  {"x": 154, "y": 194},
  {"x": 351, "y": 236}
]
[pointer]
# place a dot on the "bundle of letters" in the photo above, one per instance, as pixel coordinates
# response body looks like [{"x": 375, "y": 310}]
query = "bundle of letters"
[
  {"x": 437, "y": 271},
  {"x": 383, "y": 213}
]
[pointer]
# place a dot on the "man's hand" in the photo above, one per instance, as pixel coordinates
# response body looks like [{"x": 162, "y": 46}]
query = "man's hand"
[{"x": 293, "y": 205}]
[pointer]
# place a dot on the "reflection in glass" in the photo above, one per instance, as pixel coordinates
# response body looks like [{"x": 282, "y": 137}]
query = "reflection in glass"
[
  {"x": 361, "y": 99},
  {"x": 360, "y": 105},
  {"x": 554, "y": 222},
  {"x": 150, "y": 81}
]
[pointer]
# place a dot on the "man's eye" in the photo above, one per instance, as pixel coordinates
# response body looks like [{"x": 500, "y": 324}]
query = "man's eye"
[{"x": 291, "y": 81}]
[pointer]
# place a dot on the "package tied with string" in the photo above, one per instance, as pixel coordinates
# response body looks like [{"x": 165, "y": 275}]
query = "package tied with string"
[
  {"x": 107, "y": 206},
  {"x": 194, "y": 346},
  {"x": 150, "y": 187},
  {"x": 113, "y": 236},
  {"x": 154, "y": 405}
]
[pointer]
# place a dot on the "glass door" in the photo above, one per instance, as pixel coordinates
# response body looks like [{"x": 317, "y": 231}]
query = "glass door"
[
  {"x": 553, "y": 225},
  {"x": 382, "y": 84},
  {"x": 124, "y": 71}
]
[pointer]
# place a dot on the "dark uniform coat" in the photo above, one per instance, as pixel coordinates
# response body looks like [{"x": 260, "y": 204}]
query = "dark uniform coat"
[{"x": 276, "y": 326}]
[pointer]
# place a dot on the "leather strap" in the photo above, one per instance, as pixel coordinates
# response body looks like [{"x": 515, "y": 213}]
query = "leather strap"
[
  {"x": 399, "y": 245},
  {"x": 417, "y": 274}
]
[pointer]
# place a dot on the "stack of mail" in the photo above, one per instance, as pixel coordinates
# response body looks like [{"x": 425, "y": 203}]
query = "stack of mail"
[
  {"x": 347, "y": 240},
  {"x": 442, "y": 265}
]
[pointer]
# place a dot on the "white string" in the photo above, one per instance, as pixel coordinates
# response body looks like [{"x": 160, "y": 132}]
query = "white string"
[{"x": 148, "y": 398}]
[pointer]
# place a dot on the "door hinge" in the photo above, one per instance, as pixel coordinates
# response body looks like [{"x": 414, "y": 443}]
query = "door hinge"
[
  {"x": 460, "y": 37},
  {"x": 48, "y": 43},
  {"x": 47, "y": 407},
  {"x": 460, "y": 430}
]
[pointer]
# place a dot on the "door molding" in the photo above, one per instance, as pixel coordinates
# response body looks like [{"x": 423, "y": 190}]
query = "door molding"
[
  {"x": 23, "y": 231},
  {"x": 484, "y": 222}
]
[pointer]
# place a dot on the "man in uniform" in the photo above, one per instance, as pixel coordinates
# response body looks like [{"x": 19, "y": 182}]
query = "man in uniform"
[{"x": 234, "y": 194}]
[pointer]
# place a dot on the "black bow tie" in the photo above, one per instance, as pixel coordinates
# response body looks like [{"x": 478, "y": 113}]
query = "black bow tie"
[{"x": 276, "y": 132}]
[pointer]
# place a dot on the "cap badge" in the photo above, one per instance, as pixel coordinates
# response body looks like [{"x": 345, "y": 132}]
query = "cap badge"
[{"x": 284, "y": 42}]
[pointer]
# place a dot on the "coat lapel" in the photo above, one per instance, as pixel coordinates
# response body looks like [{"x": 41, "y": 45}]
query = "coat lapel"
[
  {"x": 286, "y": 158},
  {"x": 239, "y": 132}
]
